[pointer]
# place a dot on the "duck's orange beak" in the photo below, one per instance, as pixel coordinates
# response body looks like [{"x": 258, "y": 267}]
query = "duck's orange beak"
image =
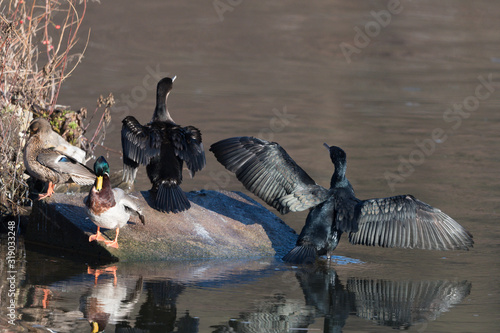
[{"x": 98, "y": 185}]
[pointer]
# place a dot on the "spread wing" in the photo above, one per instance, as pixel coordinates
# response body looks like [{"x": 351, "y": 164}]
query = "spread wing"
[
  {"x": 64, "y": 164},
  {"x": 188, "y": 147},
  {"x": 266, "y": 170},
  {"x": 406, "y": 222},
  {"x": 140, "y": 143}
]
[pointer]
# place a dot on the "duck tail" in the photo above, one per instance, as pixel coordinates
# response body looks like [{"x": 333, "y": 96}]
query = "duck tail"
[
  {"x": 171, "y": 198},
  {"x": 141, "y": 216},
  {"x": 301, "y": 255}
]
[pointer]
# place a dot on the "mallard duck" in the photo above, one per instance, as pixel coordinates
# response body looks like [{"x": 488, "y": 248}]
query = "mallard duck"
[
  {"x": 402, "y": 221},
  {"x": 163, "y": 146},
  {"x": 108, "y": 208},
  {"x": 44, "y": 162}
]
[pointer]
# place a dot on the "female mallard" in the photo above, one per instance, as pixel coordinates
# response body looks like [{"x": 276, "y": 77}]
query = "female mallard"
[
  {"x": 163, "y": 146},
  {"x": 108, "y": 208},
  {"x": 45, "y": 163}
]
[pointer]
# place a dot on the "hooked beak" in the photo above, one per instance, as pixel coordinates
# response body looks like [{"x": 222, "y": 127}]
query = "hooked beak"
[
  {"x": 327, "y": 146},
  {"x": 98, "y": 185}
]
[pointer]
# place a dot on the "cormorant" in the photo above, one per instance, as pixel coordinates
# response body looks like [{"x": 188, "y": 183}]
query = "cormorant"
[
  {"x": 163, "y": 146},
  {"x": 402, "y": 221}
]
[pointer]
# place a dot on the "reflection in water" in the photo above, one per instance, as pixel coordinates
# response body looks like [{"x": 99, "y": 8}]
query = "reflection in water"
[
  {"x": 145, "y": 297},
  {"x": 397, "y": 304},
  {"x": 110, "y": 300},
  {"x": 272, "y": 314},
  {"x": 159, "y": 311}
]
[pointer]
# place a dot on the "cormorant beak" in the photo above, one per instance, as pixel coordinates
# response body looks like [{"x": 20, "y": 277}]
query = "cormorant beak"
[
  {"x": 173, "y": 79},
  {"x": 327, "y": 146},
  {"x": 98, "y": 185}
]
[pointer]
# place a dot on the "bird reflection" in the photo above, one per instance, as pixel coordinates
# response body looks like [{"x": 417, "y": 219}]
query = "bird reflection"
[
  {"x": 109, "y": 301},
  {"x": 397, "y": 304},
  {"x": 159, "y": 312}
]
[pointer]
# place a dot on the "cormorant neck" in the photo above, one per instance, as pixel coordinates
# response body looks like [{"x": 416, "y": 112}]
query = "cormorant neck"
[
  {"x": 338, "y": 178},
  {"x": 161, "y": 111}
]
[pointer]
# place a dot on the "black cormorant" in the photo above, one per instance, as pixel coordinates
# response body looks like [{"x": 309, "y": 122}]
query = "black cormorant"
[
  {"x": 402, "y": 221},
  {"x": 163, "y": 146}
]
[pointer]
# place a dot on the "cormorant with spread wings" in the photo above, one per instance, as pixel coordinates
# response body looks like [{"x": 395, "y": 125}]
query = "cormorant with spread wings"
[
  {"x": 402, "y": 221},
  {"x": 163, "y": 146}
]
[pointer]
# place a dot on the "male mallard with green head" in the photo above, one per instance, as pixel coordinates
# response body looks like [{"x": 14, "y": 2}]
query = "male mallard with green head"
[
  {"x": 108, "y": 208},
  {"x": 45, "y": 163}
]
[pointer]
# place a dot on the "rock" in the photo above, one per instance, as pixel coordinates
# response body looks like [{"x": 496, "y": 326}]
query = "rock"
[{"x": 220, "y": 224}]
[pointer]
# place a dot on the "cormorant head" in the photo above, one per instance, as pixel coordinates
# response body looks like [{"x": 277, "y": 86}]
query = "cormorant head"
[
  {"x": 336, "y": 153},
  {"x": 165, "y": 85},
  {"x": 101, "y": 168}
]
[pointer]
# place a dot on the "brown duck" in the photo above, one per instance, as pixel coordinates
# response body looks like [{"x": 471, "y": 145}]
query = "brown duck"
[{"x": 44, "y": 162}]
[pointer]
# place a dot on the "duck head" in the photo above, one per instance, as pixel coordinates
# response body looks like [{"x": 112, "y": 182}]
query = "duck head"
[
  {"x": 101, "y": 169},
  {"x": 39, "y": 125}
]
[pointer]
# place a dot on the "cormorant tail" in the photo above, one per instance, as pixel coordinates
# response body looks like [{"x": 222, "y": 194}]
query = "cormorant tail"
[
  {"x": 301, "y": 255},
  {"x": 171, "y": 198}
]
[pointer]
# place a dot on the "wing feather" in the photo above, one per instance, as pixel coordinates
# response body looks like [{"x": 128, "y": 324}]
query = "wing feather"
[
  {"x": 64, "y": 164},
  {"x": 404, "y": 221},
  {"x": 140, "y": 143},
  {"x": 188, "y": 147},
  {"x": 266, "y": 170}
]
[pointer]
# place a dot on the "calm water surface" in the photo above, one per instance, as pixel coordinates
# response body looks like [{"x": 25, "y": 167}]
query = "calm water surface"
[{"x": 394, "y": 101}]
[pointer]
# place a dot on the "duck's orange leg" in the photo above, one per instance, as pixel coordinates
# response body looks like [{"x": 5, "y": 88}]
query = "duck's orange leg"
[
  {"x": 50, "y": 191},
  {"x": 46, "y": 293},
  {"x": 97, "y": 236},
  {"x": 113, "y": 243}
]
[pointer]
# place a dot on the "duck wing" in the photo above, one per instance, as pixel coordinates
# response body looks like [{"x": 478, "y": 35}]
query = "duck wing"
[
  {"x": 128, "y": 203},
  {"x": 406, "y": 222},
  {"x": 64, "y": 164},
  {"x": 188, "y": 147},
  {"x": 266, "y": 170},
  {"x": 139, "y": 144}
]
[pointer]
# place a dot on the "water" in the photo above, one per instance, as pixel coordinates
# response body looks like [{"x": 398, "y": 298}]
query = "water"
[{"x": 276, "y": 70}]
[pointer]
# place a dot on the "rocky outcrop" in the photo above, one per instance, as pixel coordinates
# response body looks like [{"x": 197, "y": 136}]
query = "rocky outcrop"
[{"x": 220, "y": 224}]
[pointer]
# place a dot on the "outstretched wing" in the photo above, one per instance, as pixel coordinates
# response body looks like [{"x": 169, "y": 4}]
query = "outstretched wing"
[
  {"x": 64, "y": 164},
  {"x": 139, "y": 145},
  {"x": 188, "y": 147},
  {"x": 266, "y": 170},
  {"x": 406, "y": 222}
]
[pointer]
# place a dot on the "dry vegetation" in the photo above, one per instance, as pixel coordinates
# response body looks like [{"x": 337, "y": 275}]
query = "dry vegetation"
[{"x": 38, "y": 51}]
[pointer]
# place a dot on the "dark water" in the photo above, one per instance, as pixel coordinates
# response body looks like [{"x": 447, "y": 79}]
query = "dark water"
[{"x": 413, "y": 100}]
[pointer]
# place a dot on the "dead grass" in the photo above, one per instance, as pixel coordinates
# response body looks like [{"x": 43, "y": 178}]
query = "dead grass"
[{"x": 38, "y": 42}]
